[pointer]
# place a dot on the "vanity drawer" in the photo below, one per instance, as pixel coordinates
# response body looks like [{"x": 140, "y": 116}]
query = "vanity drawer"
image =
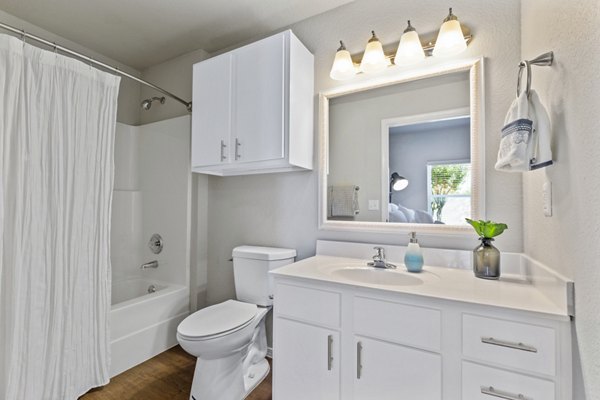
[
  {"x": 396, "y": 322},
  {"x": 485, "y": 383},
  {"x": 321, "y": 307},
  {"x": 513, "y": 344}
]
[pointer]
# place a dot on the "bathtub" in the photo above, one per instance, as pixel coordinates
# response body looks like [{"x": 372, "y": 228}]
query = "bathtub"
[{"x": 143, "y": 323}]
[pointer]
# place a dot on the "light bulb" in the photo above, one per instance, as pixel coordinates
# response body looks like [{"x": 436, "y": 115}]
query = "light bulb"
[
  {"x": 410, "y": 50},
  {"x": 343, "y": 67},
  {"x": 450, "y": 40},
  {"x": 373, "y": 59}
]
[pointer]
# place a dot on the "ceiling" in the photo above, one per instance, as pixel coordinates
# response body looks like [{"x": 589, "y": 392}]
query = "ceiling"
[{"x": 142, "y": 33}]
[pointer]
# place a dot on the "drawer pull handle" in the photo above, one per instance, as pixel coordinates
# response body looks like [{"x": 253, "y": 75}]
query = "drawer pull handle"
[
  {"x": 490, "y": 391},
  {"x": 358, "y": 360},
  {"x": 237, "y": 149},
  {"x": 329, "y": 352},
  {"x": 223, "y": 145},
  {"x": 511, "y": 345}
]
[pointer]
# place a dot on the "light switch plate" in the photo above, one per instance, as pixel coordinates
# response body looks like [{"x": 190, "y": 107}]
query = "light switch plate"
[
  {"x": 547, "y": 194},
  {"x": 373, "y": 205}
]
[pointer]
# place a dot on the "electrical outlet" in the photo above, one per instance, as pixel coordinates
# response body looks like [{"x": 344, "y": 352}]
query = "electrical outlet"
[
  {"x": 547, "y": 194},
  {"x": 373, "y": 205}
]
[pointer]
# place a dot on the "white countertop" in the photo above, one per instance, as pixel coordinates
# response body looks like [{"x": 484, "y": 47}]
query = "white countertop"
[{"x": 511, "y": 291}]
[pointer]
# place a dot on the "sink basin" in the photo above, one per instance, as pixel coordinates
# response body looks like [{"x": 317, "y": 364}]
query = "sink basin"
[{"x": 377, "y": 276}]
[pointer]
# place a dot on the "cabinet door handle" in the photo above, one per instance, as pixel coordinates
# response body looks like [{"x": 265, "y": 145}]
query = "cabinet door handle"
[
  {"x": 511, "y": 345},
  {"x": 329, "y": 352},
  {"x": 223, "y": 146},
  {"x": 358, "y": 360},
  {"x": 237, "y": 149},
  {"x": 490, "y": 391}
]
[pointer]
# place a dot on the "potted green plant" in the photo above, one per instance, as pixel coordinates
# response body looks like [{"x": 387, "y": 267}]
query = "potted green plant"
[{"x": 486, "y": 257}]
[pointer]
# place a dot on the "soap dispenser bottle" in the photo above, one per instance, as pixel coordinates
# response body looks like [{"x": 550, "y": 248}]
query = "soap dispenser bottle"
[{"x": 413, "y": 259}]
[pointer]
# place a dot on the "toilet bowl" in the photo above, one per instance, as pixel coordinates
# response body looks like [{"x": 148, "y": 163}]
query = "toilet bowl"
[
  {"x": 229, "y": 339},
  {"x": 230, "y": 344}
]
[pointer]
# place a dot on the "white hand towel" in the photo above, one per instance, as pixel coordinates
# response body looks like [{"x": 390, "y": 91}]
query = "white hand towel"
[
  {"x": 343, "y": 201},
  {"x": 541, "y": 155},
  {"x": 525, "y": 143},
  {"x": 513, "y": 153}
]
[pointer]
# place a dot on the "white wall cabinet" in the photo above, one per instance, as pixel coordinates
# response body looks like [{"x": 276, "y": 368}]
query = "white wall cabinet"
[
  {"x": 395, "y": 346},
  {"x": 253, "y": 109}
]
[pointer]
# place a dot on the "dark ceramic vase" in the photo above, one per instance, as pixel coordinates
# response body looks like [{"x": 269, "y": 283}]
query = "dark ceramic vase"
[{"x": 486, "y": 260}]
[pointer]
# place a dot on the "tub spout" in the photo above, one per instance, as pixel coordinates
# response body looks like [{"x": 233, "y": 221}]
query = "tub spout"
[{"x": 151, "y": 264}]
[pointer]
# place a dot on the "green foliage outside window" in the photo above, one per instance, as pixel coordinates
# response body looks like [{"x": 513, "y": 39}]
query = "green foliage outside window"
[{"x": 445, "y": 180}]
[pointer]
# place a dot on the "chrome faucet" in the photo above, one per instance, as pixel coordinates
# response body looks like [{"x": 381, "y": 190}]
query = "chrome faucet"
[
  {"x": 379, "y": 259},
  {"x": 151, "y": 264}
]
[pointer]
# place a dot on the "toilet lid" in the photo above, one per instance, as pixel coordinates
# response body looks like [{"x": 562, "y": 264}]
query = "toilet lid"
[{"x": 217, "y": 319}]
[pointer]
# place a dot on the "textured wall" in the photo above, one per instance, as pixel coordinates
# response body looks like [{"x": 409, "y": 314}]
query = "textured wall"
[
  {"x": 281, "y": 209},
  {"x": 568, "y": 241}
]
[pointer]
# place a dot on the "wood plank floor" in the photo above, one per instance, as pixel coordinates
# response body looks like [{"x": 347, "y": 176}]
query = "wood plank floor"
[{"x": 168, "y": 376}]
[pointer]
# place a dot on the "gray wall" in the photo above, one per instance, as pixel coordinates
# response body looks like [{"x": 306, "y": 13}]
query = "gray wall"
[
  {"x": 413, "y": 147},
  {"x": 355, "y": 129},
  {"x": 568, "y": 241}
]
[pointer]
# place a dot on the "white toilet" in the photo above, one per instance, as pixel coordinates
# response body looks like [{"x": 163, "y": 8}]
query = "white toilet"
[{"x": 229, "y": 338}]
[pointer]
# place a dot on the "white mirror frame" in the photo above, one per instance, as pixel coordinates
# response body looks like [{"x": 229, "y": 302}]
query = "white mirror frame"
[{"x": 477, "y": 114}]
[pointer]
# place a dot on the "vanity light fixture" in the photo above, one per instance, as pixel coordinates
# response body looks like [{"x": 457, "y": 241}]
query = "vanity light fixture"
[
  {"x": 410, "y": 50},
  {"x": 374, "y": 59},
  {"x": 397, "y": 183},
  {"x": 343, "y": 68},
  {"x": 450, "y": 40}
]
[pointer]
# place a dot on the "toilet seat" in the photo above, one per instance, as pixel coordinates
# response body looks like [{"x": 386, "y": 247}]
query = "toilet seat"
[{"x": 217, "y": 320}]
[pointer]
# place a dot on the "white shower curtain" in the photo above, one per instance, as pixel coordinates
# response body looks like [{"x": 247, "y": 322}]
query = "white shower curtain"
[{"x": 57, "y": 123}]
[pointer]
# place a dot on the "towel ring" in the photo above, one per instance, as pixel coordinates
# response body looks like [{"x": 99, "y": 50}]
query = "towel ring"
[{"x": 524, "y": 64}]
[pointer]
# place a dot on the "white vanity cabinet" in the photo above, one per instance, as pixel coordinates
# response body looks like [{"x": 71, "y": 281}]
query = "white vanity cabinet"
[
  {"x": 340, "y": 341},
  {"x": 320, "y": 345},
  {"x": 253, "y": 109},
  {"x": 308, "y": 343}
]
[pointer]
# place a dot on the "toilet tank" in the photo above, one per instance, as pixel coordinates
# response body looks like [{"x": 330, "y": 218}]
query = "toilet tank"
[{"x": 251, "y": 266}]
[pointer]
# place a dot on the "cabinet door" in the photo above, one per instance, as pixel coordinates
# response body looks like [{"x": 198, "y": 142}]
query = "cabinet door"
[
  {"x": 258, "y": 123},
  {"x": 211, "y": 115},
  {"x": 390, "y": 371},
  {"x": 306, "y": 362}
]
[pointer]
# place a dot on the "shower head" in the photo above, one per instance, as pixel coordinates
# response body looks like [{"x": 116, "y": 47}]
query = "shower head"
[{"x": 146, "y": 104}]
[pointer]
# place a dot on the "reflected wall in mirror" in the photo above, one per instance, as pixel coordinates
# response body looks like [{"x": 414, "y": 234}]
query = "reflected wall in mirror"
[{"x": 404, "y": 154}]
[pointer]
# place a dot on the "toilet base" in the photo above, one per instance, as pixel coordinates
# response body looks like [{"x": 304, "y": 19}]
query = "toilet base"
[
  {"x": 256, "y": 374},
  {"x": 223, "y": 379}
]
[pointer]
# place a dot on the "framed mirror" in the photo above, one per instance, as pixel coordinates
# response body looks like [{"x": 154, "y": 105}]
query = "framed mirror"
[{"x": 404, "y": 153}]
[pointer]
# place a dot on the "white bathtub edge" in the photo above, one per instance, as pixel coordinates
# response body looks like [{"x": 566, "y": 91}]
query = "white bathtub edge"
[{"x": 137, "y": 347}]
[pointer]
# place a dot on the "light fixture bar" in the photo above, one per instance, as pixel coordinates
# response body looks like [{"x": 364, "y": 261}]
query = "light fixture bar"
[{"x": 390, "y": 50}]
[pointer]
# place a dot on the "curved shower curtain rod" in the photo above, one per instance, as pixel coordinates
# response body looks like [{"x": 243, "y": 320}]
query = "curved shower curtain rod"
[{"x": 22, "y": 33}]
